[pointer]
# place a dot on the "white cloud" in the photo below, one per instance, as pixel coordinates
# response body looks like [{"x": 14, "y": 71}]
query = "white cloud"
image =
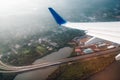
[{"x": 11, "y": 7}]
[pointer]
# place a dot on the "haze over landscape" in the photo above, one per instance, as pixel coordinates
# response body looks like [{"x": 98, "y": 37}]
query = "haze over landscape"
[
  {"x": 27, "y": 17},
  {"x": 29, "y": 32}
]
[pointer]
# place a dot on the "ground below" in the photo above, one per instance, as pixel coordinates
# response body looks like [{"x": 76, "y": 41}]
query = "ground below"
[{"x": 112, "y": 72}]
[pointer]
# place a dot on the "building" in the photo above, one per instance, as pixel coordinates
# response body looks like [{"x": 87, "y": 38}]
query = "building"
[
  {"x": 78, "y": 51},
  {"x": 88, "y": 50},
  {"x": 110, "y": 47},
  {"x": 96, "y": 40}
]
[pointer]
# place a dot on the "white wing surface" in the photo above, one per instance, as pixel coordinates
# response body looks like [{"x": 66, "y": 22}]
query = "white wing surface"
[{"x": 105, "y": 30}]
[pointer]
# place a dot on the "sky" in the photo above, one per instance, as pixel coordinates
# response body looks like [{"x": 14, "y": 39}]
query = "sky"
[
  {"x": 25, "y": 17},
  {"x": 19, "y": 12},
  {"x": 17, "y": 7}
]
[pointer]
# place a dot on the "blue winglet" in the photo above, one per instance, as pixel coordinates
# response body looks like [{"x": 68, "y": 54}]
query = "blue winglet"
[{"x": 57, "y": 17}]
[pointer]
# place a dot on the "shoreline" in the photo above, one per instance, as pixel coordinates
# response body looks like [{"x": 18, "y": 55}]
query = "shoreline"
[
  {"x": 44, "y": 73},
  {"x": 59, "y": 75}
]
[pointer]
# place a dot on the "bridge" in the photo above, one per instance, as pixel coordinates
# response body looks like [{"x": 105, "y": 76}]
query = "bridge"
[{"x": 14, "y": 69}]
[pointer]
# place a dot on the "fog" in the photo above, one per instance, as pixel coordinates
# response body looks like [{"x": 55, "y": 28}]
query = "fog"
[{"x": 19, "y": 18}]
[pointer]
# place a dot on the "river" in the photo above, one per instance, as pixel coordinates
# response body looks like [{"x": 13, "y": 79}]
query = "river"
[{"x": 42, "y": 74}]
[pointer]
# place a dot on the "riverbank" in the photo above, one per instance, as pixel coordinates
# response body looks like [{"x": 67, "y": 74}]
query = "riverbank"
[
  {"x": 42, "y": 74},
  {"x": 83, "y": 69}
]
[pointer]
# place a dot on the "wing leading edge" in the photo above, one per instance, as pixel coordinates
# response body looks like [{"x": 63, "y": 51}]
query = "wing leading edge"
[{"x": 105, "y": 30}]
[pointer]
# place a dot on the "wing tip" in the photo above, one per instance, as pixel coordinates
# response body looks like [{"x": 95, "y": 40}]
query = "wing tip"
[{"x": 56, "y": 16}]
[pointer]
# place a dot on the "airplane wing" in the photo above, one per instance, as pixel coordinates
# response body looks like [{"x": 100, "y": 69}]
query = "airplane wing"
[{"x": 105, "y": 30}]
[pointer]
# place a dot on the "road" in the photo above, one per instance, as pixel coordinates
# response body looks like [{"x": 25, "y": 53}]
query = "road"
[{"x": 14, "y": 69}]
